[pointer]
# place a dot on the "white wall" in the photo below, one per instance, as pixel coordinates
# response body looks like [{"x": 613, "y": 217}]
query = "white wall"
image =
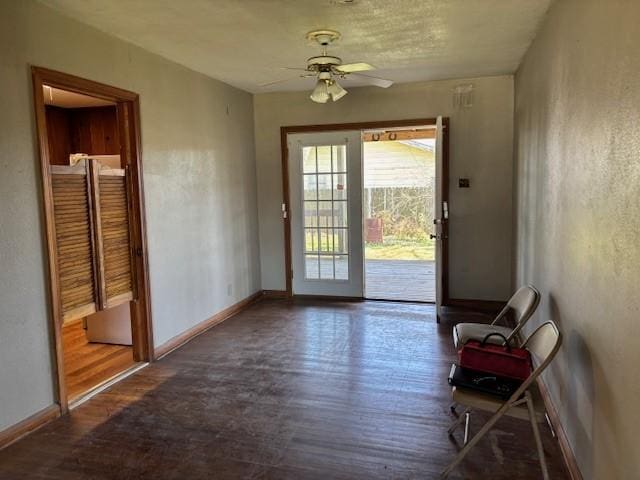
[
  {"x": 578, "y": 220},
  {"x": 200, "y": 189},
  {"x": 481, "y": 149}
]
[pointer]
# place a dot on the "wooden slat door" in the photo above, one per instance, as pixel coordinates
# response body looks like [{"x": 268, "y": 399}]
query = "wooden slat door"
[
  {"x": 72, "y": 205},
  {"x": 93, "y": 238},
  {"x": 113, "y": 234}
]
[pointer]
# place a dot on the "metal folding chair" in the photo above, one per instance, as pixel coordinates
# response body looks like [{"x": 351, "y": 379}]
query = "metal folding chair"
[
  {"x": 523, "y": 304},
  {"x": 543, "y": 344}
]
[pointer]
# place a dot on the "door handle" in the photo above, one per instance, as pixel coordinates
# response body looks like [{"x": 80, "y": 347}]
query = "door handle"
[{"x": 432, "y": 236}]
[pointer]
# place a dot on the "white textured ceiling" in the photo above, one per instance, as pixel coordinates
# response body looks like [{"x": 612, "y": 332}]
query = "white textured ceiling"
[{"x": 246, "y": 42}]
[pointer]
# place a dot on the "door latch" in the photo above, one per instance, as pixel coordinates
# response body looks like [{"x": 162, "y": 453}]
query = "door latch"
[{"x": 437, "y": 236}]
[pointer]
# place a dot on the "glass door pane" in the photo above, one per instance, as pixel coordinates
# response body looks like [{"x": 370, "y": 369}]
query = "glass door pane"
[{"x": 325, "y": 199}]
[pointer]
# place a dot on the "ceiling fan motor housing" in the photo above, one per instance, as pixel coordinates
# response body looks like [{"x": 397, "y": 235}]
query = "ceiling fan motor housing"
[{"x": 323, "y": 63}]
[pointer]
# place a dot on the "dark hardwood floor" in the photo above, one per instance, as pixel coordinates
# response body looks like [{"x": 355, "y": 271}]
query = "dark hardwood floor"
[{"x": 285, "y": 390}]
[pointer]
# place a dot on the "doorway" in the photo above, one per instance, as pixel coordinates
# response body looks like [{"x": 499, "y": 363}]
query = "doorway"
[
  {"x": 399, "y": 172},
  {"x": 90, "y": 164},
  {"x": 332, "y": 219}
]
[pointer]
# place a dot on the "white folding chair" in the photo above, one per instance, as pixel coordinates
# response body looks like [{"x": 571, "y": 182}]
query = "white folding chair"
[
  {"x": 543, "y": 344},
  {"x": 523, "y": 303}
]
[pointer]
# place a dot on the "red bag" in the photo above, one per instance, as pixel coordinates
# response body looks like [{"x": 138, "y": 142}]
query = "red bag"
[{"x": 500, "y": 360}]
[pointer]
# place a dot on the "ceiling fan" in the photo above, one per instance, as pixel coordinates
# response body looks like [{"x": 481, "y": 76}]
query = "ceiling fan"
[{"x": 328, "y": 67}]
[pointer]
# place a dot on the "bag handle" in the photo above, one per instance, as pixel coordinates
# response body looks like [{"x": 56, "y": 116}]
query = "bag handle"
[{"x": 506, "y": 342}]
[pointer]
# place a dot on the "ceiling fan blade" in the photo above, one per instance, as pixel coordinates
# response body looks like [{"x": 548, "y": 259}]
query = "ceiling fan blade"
[
  {"x": 268, "y": 84},
  {"x": 375, "y": 81},
  {"x": 354, "y": 67},
  {"x": 295, "y": 68}
]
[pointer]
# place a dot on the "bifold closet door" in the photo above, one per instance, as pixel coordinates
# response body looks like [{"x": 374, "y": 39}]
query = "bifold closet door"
[
  {"x": 72, "y": 203},
  {"x": 113, "y": 235}
]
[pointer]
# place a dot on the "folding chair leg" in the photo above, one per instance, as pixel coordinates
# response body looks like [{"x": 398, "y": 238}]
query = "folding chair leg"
[
  {"x": 536, "y": 434},
  {"x": 458, "y": 421},
  {"x": 553, "y": 432},
  {"x": 476, "y": 438},
  {"x": 467, "y": 417}
]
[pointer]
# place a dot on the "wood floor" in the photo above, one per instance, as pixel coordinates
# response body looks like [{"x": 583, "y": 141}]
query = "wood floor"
[
  {"x": 285, "y": 390},
  {"x": 89, "y": 364}
]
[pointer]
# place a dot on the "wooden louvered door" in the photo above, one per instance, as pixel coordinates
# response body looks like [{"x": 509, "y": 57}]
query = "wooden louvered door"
[
  {"x": 113, "y": 235},
  {"x": 72, "y": 205},
  {"x": 93, "y": 238}
]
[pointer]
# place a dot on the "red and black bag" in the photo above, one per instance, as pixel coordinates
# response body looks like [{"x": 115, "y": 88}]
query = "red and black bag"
[{"x": 500, "y": 360}]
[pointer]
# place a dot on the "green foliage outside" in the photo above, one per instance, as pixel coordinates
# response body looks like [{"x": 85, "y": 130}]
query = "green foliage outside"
[
  {"x": 395, "y": 249},
  {"x": 407, "y": 217},
  {"x": 327, "y": 243}
]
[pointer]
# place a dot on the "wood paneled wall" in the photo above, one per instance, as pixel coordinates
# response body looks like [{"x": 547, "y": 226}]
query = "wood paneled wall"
[
  {"x": 59, "y": 135},
  {"x": 91, "y": 130},
  {"x": 94, "y": 131}
]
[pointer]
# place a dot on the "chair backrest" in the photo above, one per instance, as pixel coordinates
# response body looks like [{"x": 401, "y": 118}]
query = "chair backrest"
[
  {"x": 543, "y": 344},
  {"x": 523, "y": 303}
]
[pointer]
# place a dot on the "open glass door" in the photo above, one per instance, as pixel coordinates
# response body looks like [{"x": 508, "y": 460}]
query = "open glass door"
[
  {"x": 325, "y": 179},
  {"x": 440, "y": 216}
]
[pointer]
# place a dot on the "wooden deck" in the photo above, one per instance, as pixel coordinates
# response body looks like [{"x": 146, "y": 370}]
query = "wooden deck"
[
  {"x": 303, "y": 390},
  {"x": 412, "y": 280}
]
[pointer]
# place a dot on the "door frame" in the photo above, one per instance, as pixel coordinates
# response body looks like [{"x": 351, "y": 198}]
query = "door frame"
[
  {"x": 128, "y": 116},
  {"x": 332, "y": 127}
]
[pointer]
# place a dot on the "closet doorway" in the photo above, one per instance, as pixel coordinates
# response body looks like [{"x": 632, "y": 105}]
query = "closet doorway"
[{"x": 91, "y": 171}]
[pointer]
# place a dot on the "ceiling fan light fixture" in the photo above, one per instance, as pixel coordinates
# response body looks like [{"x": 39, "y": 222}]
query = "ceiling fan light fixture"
[
  {"x": 336, "y": 91},
  {"x": 328, "y": 67},
  {"x": 320, "y": 94}
]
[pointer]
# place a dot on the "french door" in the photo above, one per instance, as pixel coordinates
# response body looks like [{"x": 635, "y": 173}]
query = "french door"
[{"x": 325, "y": 182}]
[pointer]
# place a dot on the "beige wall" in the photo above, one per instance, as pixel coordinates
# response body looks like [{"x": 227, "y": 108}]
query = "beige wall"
[
  {"x": 199, "y": 178},
  {"x": 578, "y": 219},
  {"x": 481, "y": 149}
]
